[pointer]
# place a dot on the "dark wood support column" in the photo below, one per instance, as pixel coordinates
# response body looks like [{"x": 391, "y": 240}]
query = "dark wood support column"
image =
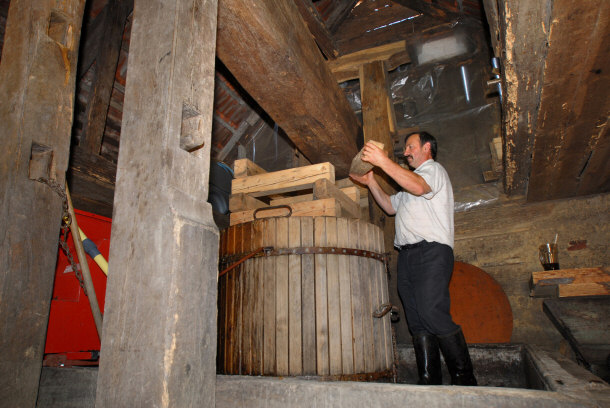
[
  {"x": 37, "y": 78},
  {"x": 159, "y": 336},
  {"x": 270, "y": 51}
]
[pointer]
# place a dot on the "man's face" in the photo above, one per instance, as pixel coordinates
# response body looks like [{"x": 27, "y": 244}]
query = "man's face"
[{"x": 414, "y": 152}]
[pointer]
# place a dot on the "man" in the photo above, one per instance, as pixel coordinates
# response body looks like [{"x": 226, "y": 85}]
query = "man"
[{"x": 424, "y": 238}]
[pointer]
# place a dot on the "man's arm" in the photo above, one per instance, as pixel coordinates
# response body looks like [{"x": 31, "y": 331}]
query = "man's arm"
[
  {"x": 382, "y": 198},
  {"x": 410, "y": 181}
]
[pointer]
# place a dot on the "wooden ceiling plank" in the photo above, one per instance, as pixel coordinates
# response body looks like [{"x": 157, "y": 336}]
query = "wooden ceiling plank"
[
  {"x": 269, "y": 50},
  {"x": 596, "y": 174},
  {"x": 574, "y": 100},
  {"x": 318, "y": 28},
  {"x": 106, "y": 62},
  {"x": 525, "y": 32}
]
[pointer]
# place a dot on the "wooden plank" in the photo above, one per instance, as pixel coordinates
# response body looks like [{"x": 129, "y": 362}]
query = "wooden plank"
[
  {"x": 385, "y": 298},
  {"x": 574, "y": 105},
  {"x": 570, "y": 282},
  {"x": 295, "y": 360},
  {"x": 318, "y": 29},
  {"x": 356, "y": 289},
  {"x": 231, "y": 302},
  {"x": 325, "y": 189},
  {"x": 37, "y": 84},
  {"x": 281, "y": 299},
  {"x": 322, "y": 357},
  {"x": 222, "y": 308},
  {"x": 348, "y": 66},
  {"x": 341, "y": 9},
  {"x": 345, "y": 299},
  {"x": 246, "y": 167},
  {"x": 334, "y": 304},
  {"x": 243, "y": 202},
  {"x": 325, "y": 207},
  {"x": 259, "y": 297},
  {"x": 308, "y": 307},
  {"x": 377, "y": 108},
  {"x": 283, "y": 181},
  {"x": 253, "y": 42},
  {"x": 269, "y": 302},
  {"x": 352, "y": 192},
  {"x": 239, "y": 303}
]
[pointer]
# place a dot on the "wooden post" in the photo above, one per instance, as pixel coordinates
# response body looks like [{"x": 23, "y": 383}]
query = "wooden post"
[
  {"x": 37, "y": 78},
  {"x": 270, "y": 51},
  {"x": 159, "y": 335}
]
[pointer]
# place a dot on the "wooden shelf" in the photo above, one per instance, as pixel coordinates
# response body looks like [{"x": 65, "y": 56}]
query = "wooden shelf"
[{"x": 570, "y": 282}]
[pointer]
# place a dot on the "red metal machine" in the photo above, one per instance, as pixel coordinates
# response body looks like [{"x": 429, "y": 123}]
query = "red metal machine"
[{"x": 71, "y": 335}]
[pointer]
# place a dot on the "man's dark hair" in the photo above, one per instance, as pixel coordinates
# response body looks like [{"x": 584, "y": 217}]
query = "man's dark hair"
[{"x": 425, "y": 137}]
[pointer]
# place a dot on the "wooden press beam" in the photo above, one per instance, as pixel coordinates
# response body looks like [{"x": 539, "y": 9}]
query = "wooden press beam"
[
  {"x": 37, "y": 82},
  {"x": 572, "y": 139},
  {"x": 269, "y": 50}
]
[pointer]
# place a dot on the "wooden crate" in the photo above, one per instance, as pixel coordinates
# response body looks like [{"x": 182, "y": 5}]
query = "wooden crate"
[{"x": 307, "y": 191}]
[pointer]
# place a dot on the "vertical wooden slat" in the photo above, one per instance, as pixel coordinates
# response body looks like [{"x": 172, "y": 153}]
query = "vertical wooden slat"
[
  {"x": 334, "y": 307},
  {"x": 246, "y": 355},
  {"x": 383, "y": 283},
  {"x": 269, "y": 302},
  {"x": 367, "y": 308},
  {"x": 257, "y": 336},
  {"x": 357, "y": 322},
  {"x": 345, "y": 301},
  {"x": 281, "y": 305},
  {"x": 321, "y": 299},
  {"x": 295, "y": 361},
  {"x": 308, "y": 308},
  {"x": 231, "y": 302},
  {"x": 222, "y": 307},
  {"x": 373, "y": 272},
  {"x": 239, "y": 296}
]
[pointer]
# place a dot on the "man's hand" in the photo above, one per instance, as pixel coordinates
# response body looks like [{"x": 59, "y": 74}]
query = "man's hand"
[
  {"x": 374, "y": 155},
  {"x": 364, "y": 179}
]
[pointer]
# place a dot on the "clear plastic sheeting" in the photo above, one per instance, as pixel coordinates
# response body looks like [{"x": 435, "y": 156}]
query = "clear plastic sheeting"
[
  {"x": 477, "y": 196},
  {"x": 444, "y": 92},
  {"x": 269, "y": 147}
]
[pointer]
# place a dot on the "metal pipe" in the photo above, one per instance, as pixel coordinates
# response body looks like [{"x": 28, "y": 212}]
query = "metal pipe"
[{"x": 82, "y": 259}]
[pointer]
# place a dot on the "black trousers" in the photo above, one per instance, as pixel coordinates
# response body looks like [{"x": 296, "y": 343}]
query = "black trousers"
[{"x": 424, "y": 271}]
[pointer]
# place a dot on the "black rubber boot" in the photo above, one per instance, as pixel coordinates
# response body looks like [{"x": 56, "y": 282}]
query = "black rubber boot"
[
  {"x": 458, "y": 361},
  {"x": 428, "y": 359}
]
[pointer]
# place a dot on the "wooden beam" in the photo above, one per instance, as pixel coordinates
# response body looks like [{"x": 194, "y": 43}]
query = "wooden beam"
[
  {"x": 106, "y": 60},
  {"x": 271, "y": 53},
  {"x": 525, "y": 28},
  {"x": 347, "y": 66},
  {"x": 572, "y": 142},
  {"x": 570, "y": 282},
  {"x": 340, "y": 12},
  {"x": 318, "y": 28},
  {"x": 37, "y": 84},
  {"x": 325, "y": 189},
  {"x": 377, "y": 107},
  {"x": 164, "y": 247},
  {"x": 283, "y": 181}
]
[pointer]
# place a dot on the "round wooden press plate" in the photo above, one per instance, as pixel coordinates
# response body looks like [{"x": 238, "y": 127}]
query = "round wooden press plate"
[{"x": 479, "y": 305}]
